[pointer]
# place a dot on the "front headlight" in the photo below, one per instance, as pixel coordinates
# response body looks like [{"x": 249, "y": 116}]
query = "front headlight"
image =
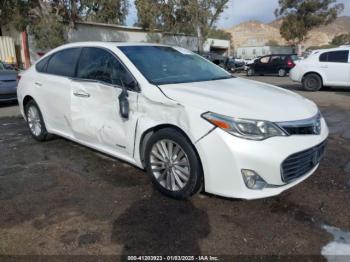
[{"x": 245, "y": 128}]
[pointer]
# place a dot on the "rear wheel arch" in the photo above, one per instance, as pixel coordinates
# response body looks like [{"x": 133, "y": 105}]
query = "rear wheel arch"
[{"x": 313, "y": 72}]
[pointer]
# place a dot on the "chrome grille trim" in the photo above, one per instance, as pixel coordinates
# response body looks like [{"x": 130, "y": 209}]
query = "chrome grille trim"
[
  {"x": 310, "y": 126},
  {"x": 299, "y": 164}
]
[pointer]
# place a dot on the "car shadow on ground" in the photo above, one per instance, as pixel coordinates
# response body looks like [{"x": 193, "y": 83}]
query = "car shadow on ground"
[{"x": 162, "y": 226}]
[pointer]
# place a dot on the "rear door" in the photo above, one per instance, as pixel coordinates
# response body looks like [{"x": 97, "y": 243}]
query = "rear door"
[
  {"x": 275, "y": 64},
  {"x": 96, "y": 119},
  {"x": 52, "y": 86},
  {"x": 335, "y": 67}
]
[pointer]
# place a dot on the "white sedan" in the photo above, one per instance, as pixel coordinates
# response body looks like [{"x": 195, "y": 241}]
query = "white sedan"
[{"x": 187, "y": 121}]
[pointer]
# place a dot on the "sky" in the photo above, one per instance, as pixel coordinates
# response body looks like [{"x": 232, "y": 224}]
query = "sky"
[{"x": 239, "y": 11}]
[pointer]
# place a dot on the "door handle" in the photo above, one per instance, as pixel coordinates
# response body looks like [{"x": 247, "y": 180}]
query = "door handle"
[
  {"x": 81, "y": 94},
  {"x": 38, "y": 84},
  {"x": 324, "y": 66}
]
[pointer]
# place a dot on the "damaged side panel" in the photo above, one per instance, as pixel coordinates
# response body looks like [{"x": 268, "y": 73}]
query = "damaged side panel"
[{"x": 168, "y": 112}]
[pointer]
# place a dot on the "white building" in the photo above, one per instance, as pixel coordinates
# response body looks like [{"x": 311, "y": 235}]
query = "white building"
[{"x": 249, "y": 52}]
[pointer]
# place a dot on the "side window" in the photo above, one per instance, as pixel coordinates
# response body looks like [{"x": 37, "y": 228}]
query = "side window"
[
  {"x": 265, "y": 60},
  {"x": 324, "y": 57},
  {"x": 335, "y": 57},
  {"x": 99, "y": 64},
  {"x": 42, "y": 65},
  {"x": 63, "y": 63},
  {"x": 338, "y": 56},
  {"x": 276, "y": 59}
]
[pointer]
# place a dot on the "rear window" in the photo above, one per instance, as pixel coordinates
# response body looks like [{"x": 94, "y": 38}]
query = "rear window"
[
  {"x": 335, "y": 57},
  {"x": 63, "y": 63}
]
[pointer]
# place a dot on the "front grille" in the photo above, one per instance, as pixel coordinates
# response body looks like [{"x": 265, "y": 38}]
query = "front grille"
[{"x": 301, "y": 163}]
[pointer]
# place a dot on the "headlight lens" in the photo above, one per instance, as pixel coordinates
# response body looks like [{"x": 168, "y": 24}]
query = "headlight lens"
[{"x": 245, "y": 128}]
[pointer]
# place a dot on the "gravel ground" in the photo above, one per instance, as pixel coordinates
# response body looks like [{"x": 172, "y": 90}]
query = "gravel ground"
[{"x": 61, "y": 198}]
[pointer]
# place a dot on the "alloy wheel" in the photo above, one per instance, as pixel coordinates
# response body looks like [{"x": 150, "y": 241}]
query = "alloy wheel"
[
  {"x": 170, "y": 165},
  {"x": 34, "y": 121}
]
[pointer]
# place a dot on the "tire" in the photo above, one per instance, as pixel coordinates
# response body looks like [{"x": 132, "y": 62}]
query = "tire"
[
  {"x": 282, "y": 72},
  {"x": 250, "y": 72},
  {"x": 312, "y": 82},
  {"x": 35, "y": 122},
  {"x": 177, "y": 181}
]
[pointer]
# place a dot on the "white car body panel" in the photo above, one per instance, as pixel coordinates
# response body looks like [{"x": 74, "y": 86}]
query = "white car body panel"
[
  {"x": 332, "y": 74},
  {"x": 95, "y": 121}
]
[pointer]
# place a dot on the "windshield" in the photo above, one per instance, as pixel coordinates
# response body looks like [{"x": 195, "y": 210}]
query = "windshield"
[{"x": 169, "y": 65}]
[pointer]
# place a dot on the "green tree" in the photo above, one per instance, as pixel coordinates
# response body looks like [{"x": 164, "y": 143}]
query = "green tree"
[
  {"x": 343, "y": 39},
  {"x": 49, "y": 21},
  {"x": 193, "y": 17},
  {"x": 220, "y": 34},
  {"x": 301, "y": 16}
]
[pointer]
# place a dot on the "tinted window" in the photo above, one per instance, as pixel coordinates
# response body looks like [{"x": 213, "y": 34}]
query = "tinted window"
[
  {"x": 335, "y": 57},
  {"x": 101, "y": 65},
  {"x": 42, "y": 64},
  {"x": 324, "y": 57},
  {"x": 63, "y": 63},
  {"x": 338, "y": 56}
]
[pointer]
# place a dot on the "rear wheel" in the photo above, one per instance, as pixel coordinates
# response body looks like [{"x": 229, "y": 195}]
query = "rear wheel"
[
  {"x": 35, "y": 122},
  {"x": 312, "y": 82},
  {"x": 173, "y": 164},
  {"x": 282, "y": 72}
]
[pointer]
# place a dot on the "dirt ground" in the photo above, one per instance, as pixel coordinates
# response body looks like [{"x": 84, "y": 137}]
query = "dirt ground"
[{"x": 61, "y": 198}]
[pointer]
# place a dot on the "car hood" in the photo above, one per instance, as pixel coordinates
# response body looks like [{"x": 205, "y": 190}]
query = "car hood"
[
  {"x": 7, "y": 75},
  {"x": 242, "y": 98}
]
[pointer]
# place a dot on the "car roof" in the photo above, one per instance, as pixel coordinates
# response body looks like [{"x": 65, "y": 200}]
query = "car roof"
[
  {"x": 344, "y": 47},
  {"x": 107, "y": 44}
]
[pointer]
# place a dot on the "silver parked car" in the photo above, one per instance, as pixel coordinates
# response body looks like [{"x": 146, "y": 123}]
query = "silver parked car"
[{"x": 8, "y": 84}]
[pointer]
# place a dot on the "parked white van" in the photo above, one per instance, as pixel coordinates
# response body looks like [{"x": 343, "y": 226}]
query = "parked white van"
[{"x": 328, "y": 67}]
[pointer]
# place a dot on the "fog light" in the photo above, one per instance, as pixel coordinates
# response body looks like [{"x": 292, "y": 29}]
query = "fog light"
[{"x": 253, "y": 180}]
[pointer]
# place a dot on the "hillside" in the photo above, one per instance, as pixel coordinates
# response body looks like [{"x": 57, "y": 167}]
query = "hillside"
[{"x": 255, "y": 33}]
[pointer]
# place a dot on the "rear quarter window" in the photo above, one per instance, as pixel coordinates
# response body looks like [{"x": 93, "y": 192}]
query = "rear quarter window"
[
  {"x": 335, "y": 56},
  {"x": 63, "y": 63},
  {"x": 42, "y": 65}
]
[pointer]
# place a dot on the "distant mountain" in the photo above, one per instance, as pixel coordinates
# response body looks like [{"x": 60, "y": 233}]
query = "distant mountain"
[{"x": 255, "y": 33}]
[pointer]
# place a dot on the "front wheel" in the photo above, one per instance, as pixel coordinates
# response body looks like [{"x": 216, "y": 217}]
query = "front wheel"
[
  {"x": 250, "y": 72},
  {"x": 173, "y": 164}
]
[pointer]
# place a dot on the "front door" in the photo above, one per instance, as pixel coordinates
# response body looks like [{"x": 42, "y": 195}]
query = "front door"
[
  {"x": 95, "y": 115},
  {"x": 262, "y": 65}
]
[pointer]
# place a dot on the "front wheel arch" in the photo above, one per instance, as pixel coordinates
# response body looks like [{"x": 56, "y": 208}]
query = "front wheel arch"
[{"x": 149, "y": 132}]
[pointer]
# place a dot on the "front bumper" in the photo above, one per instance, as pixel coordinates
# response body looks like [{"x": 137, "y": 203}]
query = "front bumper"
[
  {"x": 223, "y": 157},
  {"x": 8, "y": 97}
]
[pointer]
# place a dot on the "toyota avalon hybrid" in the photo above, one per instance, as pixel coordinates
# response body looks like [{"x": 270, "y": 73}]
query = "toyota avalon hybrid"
[{"x": 188, "y": 122}]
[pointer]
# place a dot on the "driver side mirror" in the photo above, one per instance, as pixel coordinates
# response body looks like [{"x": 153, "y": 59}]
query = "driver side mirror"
[{"x": 124, "y": 102}]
